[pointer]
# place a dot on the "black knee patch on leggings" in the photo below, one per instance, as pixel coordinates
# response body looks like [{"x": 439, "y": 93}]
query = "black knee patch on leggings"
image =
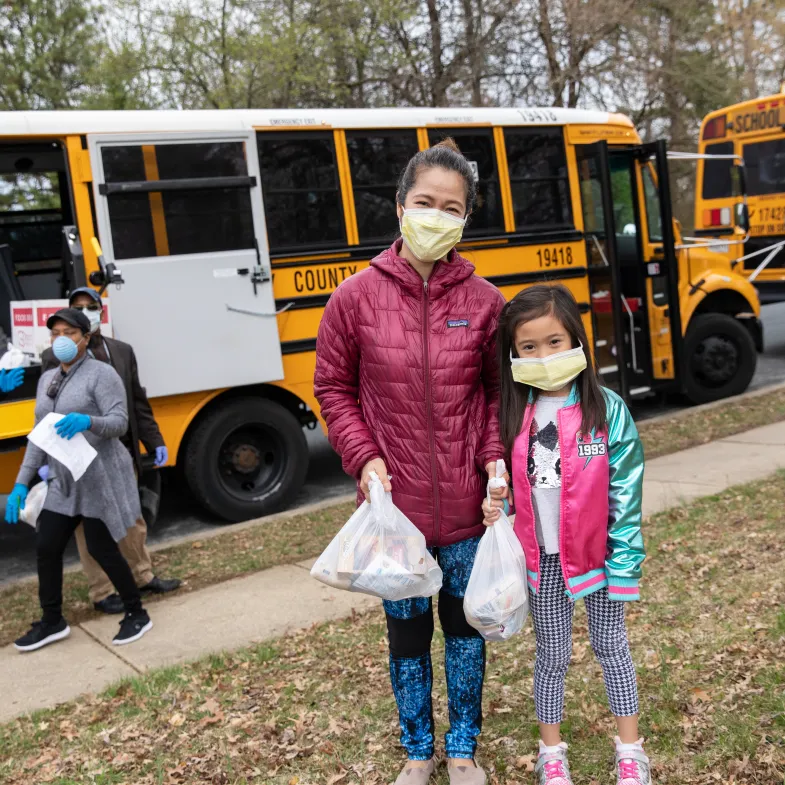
[
  {"x": 453, "y": 619},
  {"x": 410, "y": 637}
]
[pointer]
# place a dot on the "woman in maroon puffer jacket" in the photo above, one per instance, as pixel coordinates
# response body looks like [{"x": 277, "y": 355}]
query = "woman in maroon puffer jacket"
[{"x": 407, "y": 382}]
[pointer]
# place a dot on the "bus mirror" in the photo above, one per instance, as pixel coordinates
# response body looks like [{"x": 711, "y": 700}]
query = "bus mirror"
[{"x": 743, "y": 217}]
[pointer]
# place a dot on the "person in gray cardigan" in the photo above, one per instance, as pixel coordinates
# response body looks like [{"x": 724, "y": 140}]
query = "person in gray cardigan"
[{"x": 105, "y": 499}]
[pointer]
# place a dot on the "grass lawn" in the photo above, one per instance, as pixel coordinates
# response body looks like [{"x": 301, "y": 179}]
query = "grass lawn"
[
  {"x": 316, "y": 708},
  {"x": 234, "y": 554}
]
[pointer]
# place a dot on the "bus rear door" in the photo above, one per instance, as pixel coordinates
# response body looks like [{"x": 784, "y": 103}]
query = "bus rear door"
[{"x": 181, "y": 217}]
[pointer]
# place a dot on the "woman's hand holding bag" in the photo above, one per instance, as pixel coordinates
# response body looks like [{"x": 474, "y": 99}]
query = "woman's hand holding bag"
[{"x": 379, "y": 551}]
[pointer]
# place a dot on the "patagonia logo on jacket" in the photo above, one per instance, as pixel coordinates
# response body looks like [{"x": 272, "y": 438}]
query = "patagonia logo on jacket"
[{"x": 457, "y": 322}]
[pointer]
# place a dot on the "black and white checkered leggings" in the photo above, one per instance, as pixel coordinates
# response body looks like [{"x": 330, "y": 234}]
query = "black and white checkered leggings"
[{"x": 552, "y": 616}]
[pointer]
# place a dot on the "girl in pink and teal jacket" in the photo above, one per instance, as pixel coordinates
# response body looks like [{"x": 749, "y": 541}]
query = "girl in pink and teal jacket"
[{"x": 577, "y": 477}]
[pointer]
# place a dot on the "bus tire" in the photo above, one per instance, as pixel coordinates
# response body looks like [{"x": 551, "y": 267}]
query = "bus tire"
[
  {"x": 719, "y": 358},
  {"x": 246, "y": 458}
]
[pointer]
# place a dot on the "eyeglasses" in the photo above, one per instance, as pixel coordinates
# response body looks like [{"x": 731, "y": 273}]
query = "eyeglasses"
[{"x": 54, "y": 385}]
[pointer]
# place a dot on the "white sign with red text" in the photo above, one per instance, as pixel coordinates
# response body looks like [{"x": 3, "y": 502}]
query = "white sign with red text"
[{"x": 28, "y": 324}]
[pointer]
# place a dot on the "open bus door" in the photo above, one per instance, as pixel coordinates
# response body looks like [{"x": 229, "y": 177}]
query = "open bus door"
[
  {"x": 633, "y": 272},
  {"x": 181, "y": 221}
]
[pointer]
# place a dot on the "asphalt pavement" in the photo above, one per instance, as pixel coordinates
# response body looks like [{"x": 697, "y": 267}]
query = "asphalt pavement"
[{"x": 180, "y": 515}]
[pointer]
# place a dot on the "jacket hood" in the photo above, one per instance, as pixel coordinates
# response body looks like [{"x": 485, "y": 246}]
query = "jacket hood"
[{"x": 450, "y": 272}]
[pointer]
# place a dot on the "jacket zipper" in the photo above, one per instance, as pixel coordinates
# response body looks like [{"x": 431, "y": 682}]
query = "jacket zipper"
[
  {"x": 562, "y": 554},
  {"x": 429, "y": 414}
]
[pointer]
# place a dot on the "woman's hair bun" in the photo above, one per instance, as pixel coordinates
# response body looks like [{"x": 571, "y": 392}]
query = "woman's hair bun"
[{"x": 450, "y": 144}]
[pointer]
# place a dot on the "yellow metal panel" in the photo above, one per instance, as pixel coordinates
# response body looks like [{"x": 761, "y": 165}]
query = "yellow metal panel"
[
  {"x": 156, "y": 202},
  {"x": 81, "y": 195},
  {"x": 504, "y": 179},
  {"x": 575, "y": 187},
  {"x": 422, "y": 138},
  {"x": 319, "y": 257},
  {"x": 347, "y": 193},
  {"x": 586, "y": 134},
  {"x": 313, "y": 279}
]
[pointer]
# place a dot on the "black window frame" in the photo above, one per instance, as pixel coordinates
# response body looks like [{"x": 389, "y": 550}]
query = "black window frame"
[
  {"x": 358, "y": 133},
  {"x": 436, "y": 135},
  {"x": 557, "y": 132},
  {"x": 267, "y": 193},
  {"x": 716, "y": 170},
  {"x": 752, "y": 174},
  {"x": 133, "y": 187}
]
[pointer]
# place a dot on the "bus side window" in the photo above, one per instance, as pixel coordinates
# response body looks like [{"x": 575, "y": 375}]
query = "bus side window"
[
  {"x": 172, "y": 223},
  {"x": 538, "y": 178},
  {"x": 376, "y": 160},
  {"x": 302, "y": 194},
  {"x": 765, "y": 163},
  {"x": 477, "y": 146},
  {"x": 717, "y": 177}
]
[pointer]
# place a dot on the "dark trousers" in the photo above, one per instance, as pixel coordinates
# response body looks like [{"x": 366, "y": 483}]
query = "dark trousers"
[{"x": 52, "y": 536}]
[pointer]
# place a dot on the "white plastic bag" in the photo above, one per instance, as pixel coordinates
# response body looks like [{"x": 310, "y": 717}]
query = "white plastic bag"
[
  {"x": 496, "y": 602},
  {"x": 14, "y": 358},
  {"x": 379, "y": 551},
  {"x": 34, "y": 504}
]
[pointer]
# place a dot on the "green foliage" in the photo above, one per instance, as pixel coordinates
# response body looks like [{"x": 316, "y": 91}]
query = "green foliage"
[{"x": 48, "y": 52}]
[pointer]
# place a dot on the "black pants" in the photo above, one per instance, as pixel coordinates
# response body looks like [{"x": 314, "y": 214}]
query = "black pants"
[{"x": 52, "y": 536}]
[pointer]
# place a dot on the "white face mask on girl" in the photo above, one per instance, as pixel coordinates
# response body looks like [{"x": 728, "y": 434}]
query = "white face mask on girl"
[{"x": 549, "y": 373}]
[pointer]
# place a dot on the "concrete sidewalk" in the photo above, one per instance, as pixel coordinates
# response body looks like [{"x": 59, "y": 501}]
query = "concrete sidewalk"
[{"x": 274, "y": 602}]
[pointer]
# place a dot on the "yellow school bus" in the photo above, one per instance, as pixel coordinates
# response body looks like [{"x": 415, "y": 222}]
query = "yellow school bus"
[
  {"x": 753, "y": 131},
  {"x": 224, "y": 232}
]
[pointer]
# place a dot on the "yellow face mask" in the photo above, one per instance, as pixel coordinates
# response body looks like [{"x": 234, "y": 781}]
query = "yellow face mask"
[
  {"x": 431, "y": 234},
  {"x": 549, "y": 373}
]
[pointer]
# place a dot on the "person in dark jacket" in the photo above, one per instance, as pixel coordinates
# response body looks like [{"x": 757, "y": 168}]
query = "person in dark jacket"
[
  {"x": 141, "y": 427},
  {"x": 407, "y": 381}
]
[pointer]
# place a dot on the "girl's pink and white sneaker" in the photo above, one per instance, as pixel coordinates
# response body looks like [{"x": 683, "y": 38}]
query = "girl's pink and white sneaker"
[
  {"x": 632, "y": 765},
  {"x": 552, "y": 767}
]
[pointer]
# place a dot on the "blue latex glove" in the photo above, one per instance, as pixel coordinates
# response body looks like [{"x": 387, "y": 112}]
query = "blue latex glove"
[
  {"x": 43, "y": 472},
  {"x": 161, "y": 456},
  {"x": 72, "y": 424},
  {"x": 10, "y": 380},
  {"x": 16, "y": 502}
]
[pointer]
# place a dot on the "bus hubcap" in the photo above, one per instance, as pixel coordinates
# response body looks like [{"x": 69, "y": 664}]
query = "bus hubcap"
[
  {"x": 716, "y": 360},
  {"x": 251, "y": 462}
]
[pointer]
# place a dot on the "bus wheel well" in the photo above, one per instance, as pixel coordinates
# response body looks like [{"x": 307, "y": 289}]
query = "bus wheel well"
[
  {"x": 724, "y": 301},
  {"x": 266, "y": 391},
  {"x": 736, "y": 305}
]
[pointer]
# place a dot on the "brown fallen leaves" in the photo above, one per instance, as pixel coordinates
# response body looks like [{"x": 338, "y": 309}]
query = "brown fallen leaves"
[{"x": 316, "y": 708}]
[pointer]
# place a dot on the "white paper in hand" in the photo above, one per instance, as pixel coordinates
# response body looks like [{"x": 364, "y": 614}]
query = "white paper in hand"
[{"x": 75, "y": 454}]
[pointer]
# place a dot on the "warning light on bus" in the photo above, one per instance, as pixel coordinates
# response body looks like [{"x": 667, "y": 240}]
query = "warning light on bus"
[
  {"x": 717, "y": 217},
  {"x": 715, "y": 128}
]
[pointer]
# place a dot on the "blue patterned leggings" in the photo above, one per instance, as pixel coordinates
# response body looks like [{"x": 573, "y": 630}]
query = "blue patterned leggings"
[{"x": 410, "y": 630}]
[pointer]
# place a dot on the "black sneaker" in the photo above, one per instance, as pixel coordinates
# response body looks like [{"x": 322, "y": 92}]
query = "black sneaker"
[
  {"x": 42, "y": 634},
  {"x": 132, "y": 627}
]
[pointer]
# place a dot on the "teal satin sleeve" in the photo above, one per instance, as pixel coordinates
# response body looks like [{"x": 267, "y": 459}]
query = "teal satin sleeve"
[{"x": 625, "y": 541}]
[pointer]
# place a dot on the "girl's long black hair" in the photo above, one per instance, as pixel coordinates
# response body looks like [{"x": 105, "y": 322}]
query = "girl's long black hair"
[{"x": 532, "y": 303}]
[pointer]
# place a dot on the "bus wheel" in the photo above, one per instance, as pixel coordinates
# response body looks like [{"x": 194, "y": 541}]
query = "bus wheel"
[
  {"x": 719, "y": 358},
  {"x": 246, "y": 458}
]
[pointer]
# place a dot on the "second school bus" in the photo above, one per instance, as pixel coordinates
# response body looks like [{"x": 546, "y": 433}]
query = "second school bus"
[
  {"x": 224, "y": 233},
  {"x": 754, "y": 131}
]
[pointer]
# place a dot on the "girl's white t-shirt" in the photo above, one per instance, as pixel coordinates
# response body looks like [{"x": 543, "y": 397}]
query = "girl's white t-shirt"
[{"x": 544, "y": 470}]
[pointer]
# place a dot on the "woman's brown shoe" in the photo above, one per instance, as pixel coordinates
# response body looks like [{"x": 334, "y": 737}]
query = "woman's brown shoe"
[
  {"x": 465, "y": 773},
  {"x": 416, "y": 774}
]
